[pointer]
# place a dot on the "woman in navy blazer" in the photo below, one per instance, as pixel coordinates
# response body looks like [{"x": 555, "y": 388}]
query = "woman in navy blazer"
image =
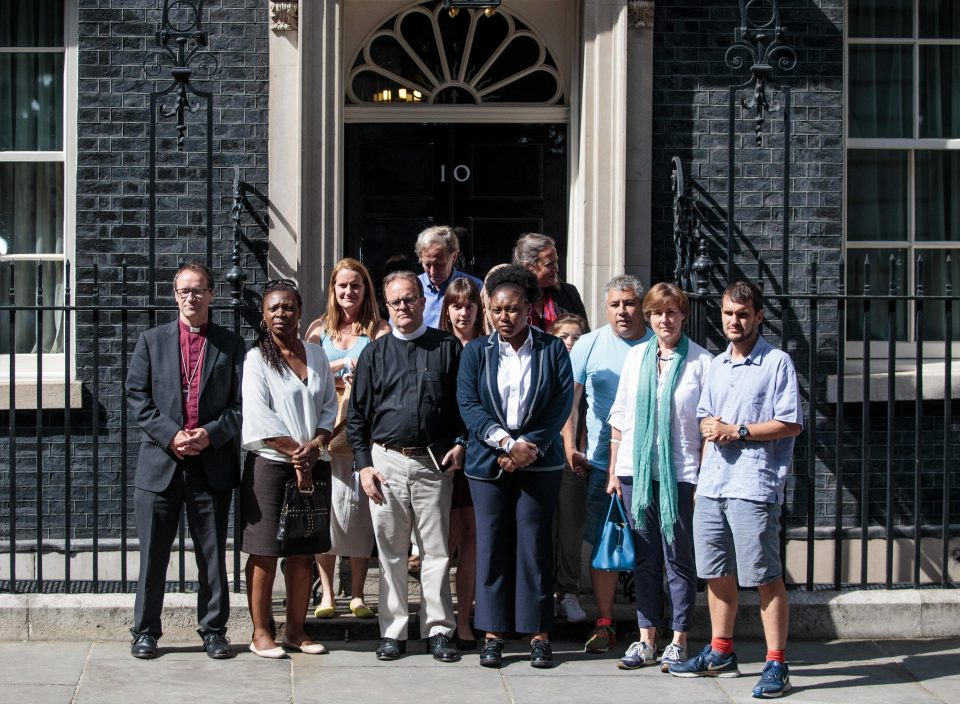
[{"x": 515, "y": 390}]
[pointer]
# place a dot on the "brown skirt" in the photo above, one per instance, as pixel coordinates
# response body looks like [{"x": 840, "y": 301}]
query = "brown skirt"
[{"x": 263, "y": 486}]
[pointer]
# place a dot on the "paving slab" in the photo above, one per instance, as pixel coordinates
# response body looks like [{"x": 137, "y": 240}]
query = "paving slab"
[
  {"x": 182, "y": 676},
  {"x": 42, "y": 663},
  {"x": 37, "y": 693}
]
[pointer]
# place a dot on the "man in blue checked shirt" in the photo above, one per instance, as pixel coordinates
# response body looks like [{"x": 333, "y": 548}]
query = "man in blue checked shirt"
[{"x": 750, "y": 415}]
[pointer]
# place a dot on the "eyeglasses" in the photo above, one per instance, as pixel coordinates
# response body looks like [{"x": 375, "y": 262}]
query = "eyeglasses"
[
  {"x": 278, "y": 283},
  {"x": 409, "y": 302},
  {"x": 195, "y": 292}
]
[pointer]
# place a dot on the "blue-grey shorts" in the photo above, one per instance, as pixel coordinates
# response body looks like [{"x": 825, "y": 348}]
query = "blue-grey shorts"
[
  {"x": 598, "y": 501},
  {"x": 737, "y": 535}
]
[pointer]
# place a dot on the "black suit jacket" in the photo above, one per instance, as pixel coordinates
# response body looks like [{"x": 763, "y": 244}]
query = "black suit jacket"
[{"x": 154, "y": 399}]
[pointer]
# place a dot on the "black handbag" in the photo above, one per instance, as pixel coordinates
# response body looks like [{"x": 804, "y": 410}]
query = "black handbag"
[{"x": 307, "y": 513}]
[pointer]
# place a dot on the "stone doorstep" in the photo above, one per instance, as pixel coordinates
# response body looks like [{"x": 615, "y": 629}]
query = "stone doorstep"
[{"x": 868, "y": 614}]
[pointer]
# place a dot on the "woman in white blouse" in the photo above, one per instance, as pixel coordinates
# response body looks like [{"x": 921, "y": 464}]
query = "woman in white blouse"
[
  {"x": 289, "y": 409},
  {"x": 654, "y": 462}
]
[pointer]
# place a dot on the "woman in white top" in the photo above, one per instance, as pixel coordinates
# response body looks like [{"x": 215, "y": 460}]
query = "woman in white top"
[
  {"x": 655, "y": 450},
  {"x": 289, "y": 408}
]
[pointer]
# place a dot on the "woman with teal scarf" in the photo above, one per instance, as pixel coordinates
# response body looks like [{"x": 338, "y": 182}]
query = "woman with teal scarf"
[{"x": 654, "y": 462}]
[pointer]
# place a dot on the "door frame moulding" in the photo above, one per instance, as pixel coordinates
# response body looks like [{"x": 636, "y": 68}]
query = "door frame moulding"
[{"x": 453, "y": 114}]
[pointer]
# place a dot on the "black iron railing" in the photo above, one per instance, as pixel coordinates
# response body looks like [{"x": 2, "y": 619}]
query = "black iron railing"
[{"x": 81, "y": 445}]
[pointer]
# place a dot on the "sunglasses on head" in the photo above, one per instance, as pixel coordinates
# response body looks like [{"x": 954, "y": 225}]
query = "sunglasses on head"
[{"x": 280, "y": 283}]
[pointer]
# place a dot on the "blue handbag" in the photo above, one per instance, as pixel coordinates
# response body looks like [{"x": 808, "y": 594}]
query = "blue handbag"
[{"x": 613, "y": 549}]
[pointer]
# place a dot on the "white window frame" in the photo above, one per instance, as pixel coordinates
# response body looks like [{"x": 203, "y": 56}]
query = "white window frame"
[
  {"x": 910, "y": 245},
  {"x": 54, "y": 364}
]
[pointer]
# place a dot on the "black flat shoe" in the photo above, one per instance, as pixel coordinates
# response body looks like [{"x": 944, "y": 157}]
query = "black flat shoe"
[
  {"x": 541, "y": 654},
  {"x": 441, "y": 648},
  {"x": 391, "y": 649},
  {"x": 144, "y": 646},
  {"x": 466, "y": 644},
  {"x": 217, "y": 646},
  {"x": 492, "y": 653}
]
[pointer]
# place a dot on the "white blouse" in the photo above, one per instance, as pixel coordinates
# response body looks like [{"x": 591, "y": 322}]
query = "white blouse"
[
  {"x": 685, "y": 428},
  {"x": 276, "y": 406},
  {"x": 513, "y": 385}
]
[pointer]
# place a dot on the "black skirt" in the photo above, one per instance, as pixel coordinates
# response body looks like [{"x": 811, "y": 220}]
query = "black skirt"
[{"x": 263, "y": 486}]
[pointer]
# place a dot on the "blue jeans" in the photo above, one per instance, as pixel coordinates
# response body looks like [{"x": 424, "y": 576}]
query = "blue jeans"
[{"x": 653, "y": 553}]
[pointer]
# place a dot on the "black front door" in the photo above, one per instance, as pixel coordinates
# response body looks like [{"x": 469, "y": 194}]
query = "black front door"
[{"x": 495, "y": 181}]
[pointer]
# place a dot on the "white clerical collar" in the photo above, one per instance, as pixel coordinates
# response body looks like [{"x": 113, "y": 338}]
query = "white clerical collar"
[{"x": 410, "y": 336}]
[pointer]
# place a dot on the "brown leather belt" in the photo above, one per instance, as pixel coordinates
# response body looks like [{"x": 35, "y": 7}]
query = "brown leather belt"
[{"x": 405, "y": 451}]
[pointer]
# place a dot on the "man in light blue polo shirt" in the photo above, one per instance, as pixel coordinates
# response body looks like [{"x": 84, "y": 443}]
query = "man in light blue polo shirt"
[
  {"x": 750, "y": 415},
  {"x": 437, "y": 248},
  {"x": 597, "y": 360}
]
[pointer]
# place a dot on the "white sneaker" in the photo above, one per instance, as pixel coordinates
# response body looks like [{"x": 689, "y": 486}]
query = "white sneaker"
[
  {"x": 571, "y": 610},
  {"x": 637, "y": 655}
]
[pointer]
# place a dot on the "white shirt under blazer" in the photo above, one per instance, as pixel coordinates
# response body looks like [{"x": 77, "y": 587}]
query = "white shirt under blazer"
[{"x": 277, "y": 405}]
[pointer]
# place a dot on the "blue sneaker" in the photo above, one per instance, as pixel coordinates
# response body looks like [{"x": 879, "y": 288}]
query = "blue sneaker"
[
  {"x": 707, "y": 664},
  {"x": 774, "y": 682}
]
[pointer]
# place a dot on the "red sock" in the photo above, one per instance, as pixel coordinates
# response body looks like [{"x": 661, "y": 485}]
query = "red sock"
[
  {"x": 778, "y": 655},
  {"x": 722, "y": 645}
]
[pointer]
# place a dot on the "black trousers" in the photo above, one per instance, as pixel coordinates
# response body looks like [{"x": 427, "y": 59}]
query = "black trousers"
[
  {"x": 158, "y": 518},
  {"x": 515, "y": 551}
]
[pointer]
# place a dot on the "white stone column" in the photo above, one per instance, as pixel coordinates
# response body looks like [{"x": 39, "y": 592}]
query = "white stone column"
[
  {"x": 596, "y": 247},
  {"x": 638, "y": 238},
  {"x": 283, "y": 130}
]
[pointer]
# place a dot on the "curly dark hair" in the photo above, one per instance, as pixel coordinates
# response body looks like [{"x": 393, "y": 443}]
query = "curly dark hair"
[
  {"x": 265, "y": 343},
  {"x": 518, "y": 277}
]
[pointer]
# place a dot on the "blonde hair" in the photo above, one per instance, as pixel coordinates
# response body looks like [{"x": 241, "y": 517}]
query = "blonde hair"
[
  {"x": 369, "y": 318},
  {"x": 660, "y": 294}
]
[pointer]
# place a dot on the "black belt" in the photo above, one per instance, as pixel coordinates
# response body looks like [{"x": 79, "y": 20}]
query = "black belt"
[{"x": 405, "y": 451}]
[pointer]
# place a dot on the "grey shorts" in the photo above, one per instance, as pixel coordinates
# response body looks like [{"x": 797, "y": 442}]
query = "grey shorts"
[
  {"x": 598, "y": 501},
  {"x": 737, "y": 535}
]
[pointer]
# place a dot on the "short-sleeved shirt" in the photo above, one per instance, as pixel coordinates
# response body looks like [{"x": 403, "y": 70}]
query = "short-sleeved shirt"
[
  {"x": 434, "y": 295},
  {"x": 597, "y": 360},
  {"x": 761, "y": 387}
]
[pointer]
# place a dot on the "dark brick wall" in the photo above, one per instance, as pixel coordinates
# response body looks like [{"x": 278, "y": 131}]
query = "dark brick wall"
[
  {"x": 691, "y": 110},
  {"x": 691, "y": 80},
  {"x": 112, "y": 200}
]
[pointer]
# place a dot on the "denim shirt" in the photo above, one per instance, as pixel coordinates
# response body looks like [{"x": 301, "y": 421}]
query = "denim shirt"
[{"x": 761, "y": 387}]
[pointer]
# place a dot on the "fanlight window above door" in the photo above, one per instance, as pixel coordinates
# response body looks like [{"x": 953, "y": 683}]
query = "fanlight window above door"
[{"x": 423, "y": 55}]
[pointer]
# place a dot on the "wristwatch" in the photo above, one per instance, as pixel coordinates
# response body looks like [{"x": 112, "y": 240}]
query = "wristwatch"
[{"x": 743, "y": 432}]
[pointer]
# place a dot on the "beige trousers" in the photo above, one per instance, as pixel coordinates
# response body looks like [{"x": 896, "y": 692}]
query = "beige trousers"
[{"x": 416, "y": 497}]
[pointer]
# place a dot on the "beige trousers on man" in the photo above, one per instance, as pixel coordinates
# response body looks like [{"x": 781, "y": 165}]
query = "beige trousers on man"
[{"x": 415, "y": 496}]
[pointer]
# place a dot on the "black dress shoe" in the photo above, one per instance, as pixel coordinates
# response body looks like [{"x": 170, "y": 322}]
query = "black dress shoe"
[
  {"x": 391, "y": 649},
  {"x": 492, "y": 653},
  {"x": 541, "y": 654},
  {"x": 217, "y": 646},
  {"x": 466, "y": 644},
  {"x": 441, "y": 648},
  {"x": 144, "y": 646}
]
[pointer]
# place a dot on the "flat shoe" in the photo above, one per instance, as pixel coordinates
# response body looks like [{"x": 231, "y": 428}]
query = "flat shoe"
[
  {"x": 306, "y": 649},
  {"x": 275, "y": 653},
  {"x": 361, "y": 610},
  {"x": 325, "y": 612}
]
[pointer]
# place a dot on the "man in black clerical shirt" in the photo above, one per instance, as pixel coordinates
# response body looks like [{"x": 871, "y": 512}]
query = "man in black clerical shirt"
[{"x": 404, "y": 425}]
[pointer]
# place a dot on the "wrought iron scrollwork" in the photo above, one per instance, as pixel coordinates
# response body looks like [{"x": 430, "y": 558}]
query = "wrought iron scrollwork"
[
  {"x": 236, "y": 277},
  {"x": 693, "y": 263},
  {"x": 181, "y": 44},
  {"x": 761, "y": 39}
]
